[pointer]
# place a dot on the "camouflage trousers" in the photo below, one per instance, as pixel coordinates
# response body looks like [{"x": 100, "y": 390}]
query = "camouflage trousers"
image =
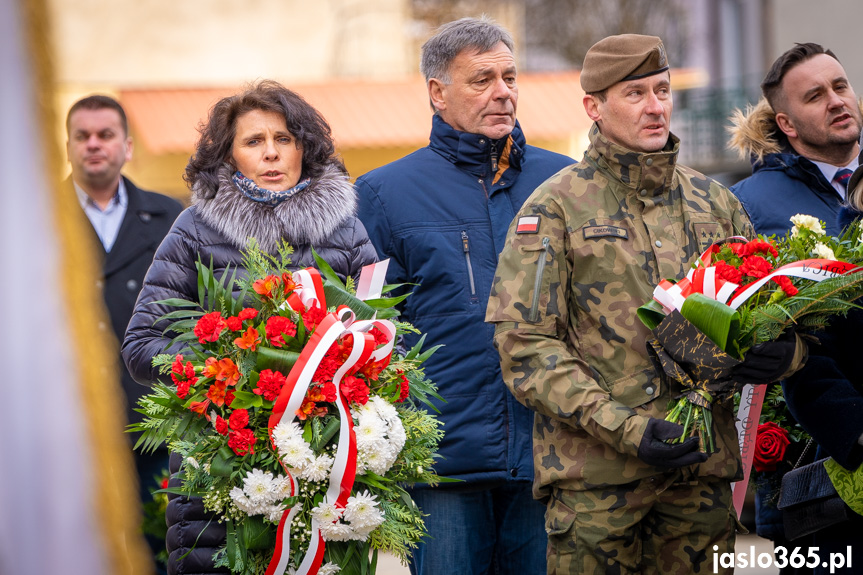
[{"x": 665, "y": 524}]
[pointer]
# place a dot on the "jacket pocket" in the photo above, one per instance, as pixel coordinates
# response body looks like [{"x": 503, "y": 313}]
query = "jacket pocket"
[
  {"x": 465, "y": 244},
  {"x": 533, "y": 316},
  {"x": 636, "y": 390}
]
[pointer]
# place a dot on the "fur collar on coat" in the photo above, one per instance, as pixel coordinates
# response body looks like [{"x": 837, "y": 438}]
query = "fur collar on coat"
[{"x": 307, "y": 217}]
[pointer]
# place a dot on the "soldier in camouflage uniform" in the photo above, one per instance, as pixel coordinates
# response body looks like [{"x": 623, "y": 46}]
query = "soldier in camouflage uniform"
[{"x": 585, "y": 251}]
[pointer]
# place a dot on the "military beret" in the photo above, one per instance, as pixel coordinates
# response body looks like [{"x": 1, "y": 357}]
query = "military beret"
[{"x": 623, "y": 57}]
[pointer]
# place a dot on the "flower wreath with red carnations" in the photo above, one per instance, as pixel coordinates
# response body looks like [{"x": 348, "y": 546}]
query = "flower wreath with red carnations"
[
  {"x": 740, "y": 293},
  {"x": 297, "y": 421}
]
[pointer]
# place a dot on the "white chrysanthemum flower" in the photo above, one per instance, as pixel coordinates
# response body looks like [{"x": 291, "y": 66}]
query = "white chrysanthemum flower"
[
  {"x": 336, "y": 532},
  {"x": 371, "y": 430},
  {"x": 397, "y": 435},
  {"x": 242, "y": 502},
  {"x": 258, "y": 486},
  {"x": 192, "y": 462},
  {"x": 803, "y": 221},
  {"x": 329, "y": 569},
  {"x": 822, "y": 251},
  {"x": 274, "y": 512},
  {"x": 281, "y": 487},
  {"x": 362, "y": 511},
  {"x": 294, "y": 451},
  {"x": 385, "y": 409},
  {"x": 376, "y": 460},
  {"x": 326, "y": 513},
  {"x": 318, "y": 469}
]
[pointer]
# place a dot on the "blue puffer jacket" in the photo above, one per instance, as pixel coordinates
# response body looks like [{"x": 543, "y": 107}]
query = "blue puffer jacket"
[
  {"x": 441, "y": 215},
  {"x": 783, "y": 185}
]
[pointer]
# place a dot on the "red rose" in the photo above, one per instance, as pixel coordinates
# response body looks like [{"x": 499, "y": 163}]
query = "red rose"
[
  {"x": 242, "y": 441},
  {"x": 210, "y": 326},
  {"x": 221, "y": 425},
  {"x": 239, "y": 419},
  {"x": 770, "y": 444}
]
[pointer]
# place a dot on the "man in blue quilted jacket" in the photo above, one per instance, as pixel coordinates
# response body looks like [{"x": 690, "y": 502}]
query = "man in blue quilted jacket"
[{"x": 441, "y": 215}]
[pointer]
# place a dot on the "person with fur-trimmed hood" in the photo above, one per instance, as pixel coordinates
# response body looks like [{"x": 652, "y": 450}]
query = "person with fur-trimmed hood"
[
  {"x": 265, "y": 167},
  {"x": 802, "y": 139}
]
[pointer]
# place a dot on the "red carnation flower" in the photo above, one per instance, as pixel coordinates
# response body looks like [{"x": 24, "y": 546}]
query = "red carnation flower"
[
  {"x": 210, "y": 327},
  {"x": 786, "y": 285},
  {"x": 242, "y": 441},
  {"x": 313, "y": 316},
  {"x": 239, "y": 419},
  {"x": 756, "y": 267},
  {"x": 221, "y": 425},
  {"x": 728, "y": 272},
  {"x": 770, "y": 444},
  {"x": 405, "y": 389},
  {"x": 234, "y": 323},
  {"x": 247, "y": 313},
  {"x": 229, "y": 397},
  {"x": 277, "y": 327},
  {"x": 270, "y": 384},
  {"x": 355, "y": 390}
]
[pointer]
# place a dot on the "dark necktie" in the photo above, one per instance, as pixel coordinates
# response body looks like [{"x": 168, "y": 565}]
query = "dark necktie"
[{"x": 842, "y": 176}]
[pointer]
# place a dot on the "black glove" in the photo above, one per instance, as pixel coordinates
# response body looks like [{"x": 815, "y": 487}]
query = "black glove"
[
  {"x": 654, "y": 451},
  {"x": 194, "y": 534},
  {"x": 772, "y": 360}
]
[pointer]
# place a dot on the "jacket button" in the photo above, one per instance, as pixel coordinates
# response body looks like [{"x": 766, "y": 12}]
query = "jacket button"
[
  {"x": 649, "y": 161},
  {"x": 131, "y": 285},
  {"x": 658, "y": 244},
  {"x": 642, "y": 193},
  {"x": 145, "y": 216},
  {"x": 649, "y": 390},
  {"x": 513, "y": 472}
]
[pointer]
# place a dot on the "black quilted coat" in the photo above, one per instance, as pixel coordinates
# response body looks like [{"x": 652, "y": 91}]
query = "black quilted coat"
[{"x": 320, "y": 217}]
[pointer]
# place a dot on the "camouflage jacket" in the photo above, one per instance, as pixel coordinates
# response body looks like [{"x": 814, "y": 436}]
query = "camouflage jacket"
[{"x": 585, "y": 251}]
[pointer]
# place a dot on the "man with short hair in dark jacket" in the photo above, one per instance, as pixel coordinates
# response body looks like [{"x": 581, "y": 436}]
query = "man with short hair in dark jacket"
[
  {"x": 441, "y": 215},
  {"x": 129, "y": 225},
  {"x": 802, "y": 139}
]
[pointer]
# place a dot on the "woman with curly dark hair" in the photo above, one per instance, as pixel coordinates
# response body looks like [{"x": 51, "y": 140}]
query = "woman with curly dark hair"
[{"x": 265, "y": 167}]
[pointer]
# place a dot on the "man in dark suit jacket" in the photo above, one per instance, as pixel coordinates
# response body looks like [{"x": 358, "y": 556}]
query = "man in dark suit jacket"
[{"x": 129, "y": 223}]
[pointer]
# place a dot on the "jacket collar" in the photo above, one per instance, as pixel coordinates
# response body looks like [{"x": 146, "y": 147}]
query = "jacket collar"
[
  {"x": 798, "y": 167},
  {"x": 308, "y": 217},
  {"x": 653, "y": 172},
  {"x": 473, "y": 152}
]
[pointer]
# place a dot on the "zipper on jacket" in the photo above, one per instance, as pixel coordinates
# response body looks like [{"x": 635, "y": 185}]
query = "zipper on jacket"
[
  {"x": 493, "y": 159},
  {"x": 466, "y": 248},
  {"x": 537, "y": 282}
]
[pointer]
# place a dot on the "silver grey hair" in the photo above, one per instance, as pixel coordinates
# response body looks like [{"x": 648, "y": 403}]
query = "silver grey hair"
[{"x": 479, "y": 34}]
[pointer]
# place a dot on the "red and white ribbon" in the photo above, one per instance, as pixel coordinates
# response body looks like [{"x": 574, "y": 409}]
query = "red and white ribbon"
[
  {"x": 748, "y": 416},
  {"x": 372, "y": 280},
  {"x": 290, "y": 399}
]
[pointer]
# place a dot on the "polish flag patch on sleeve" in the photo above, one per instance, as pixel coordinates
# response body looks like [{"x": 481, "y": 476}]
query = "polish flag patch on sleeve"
[{"x": 527, "y": 225}]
